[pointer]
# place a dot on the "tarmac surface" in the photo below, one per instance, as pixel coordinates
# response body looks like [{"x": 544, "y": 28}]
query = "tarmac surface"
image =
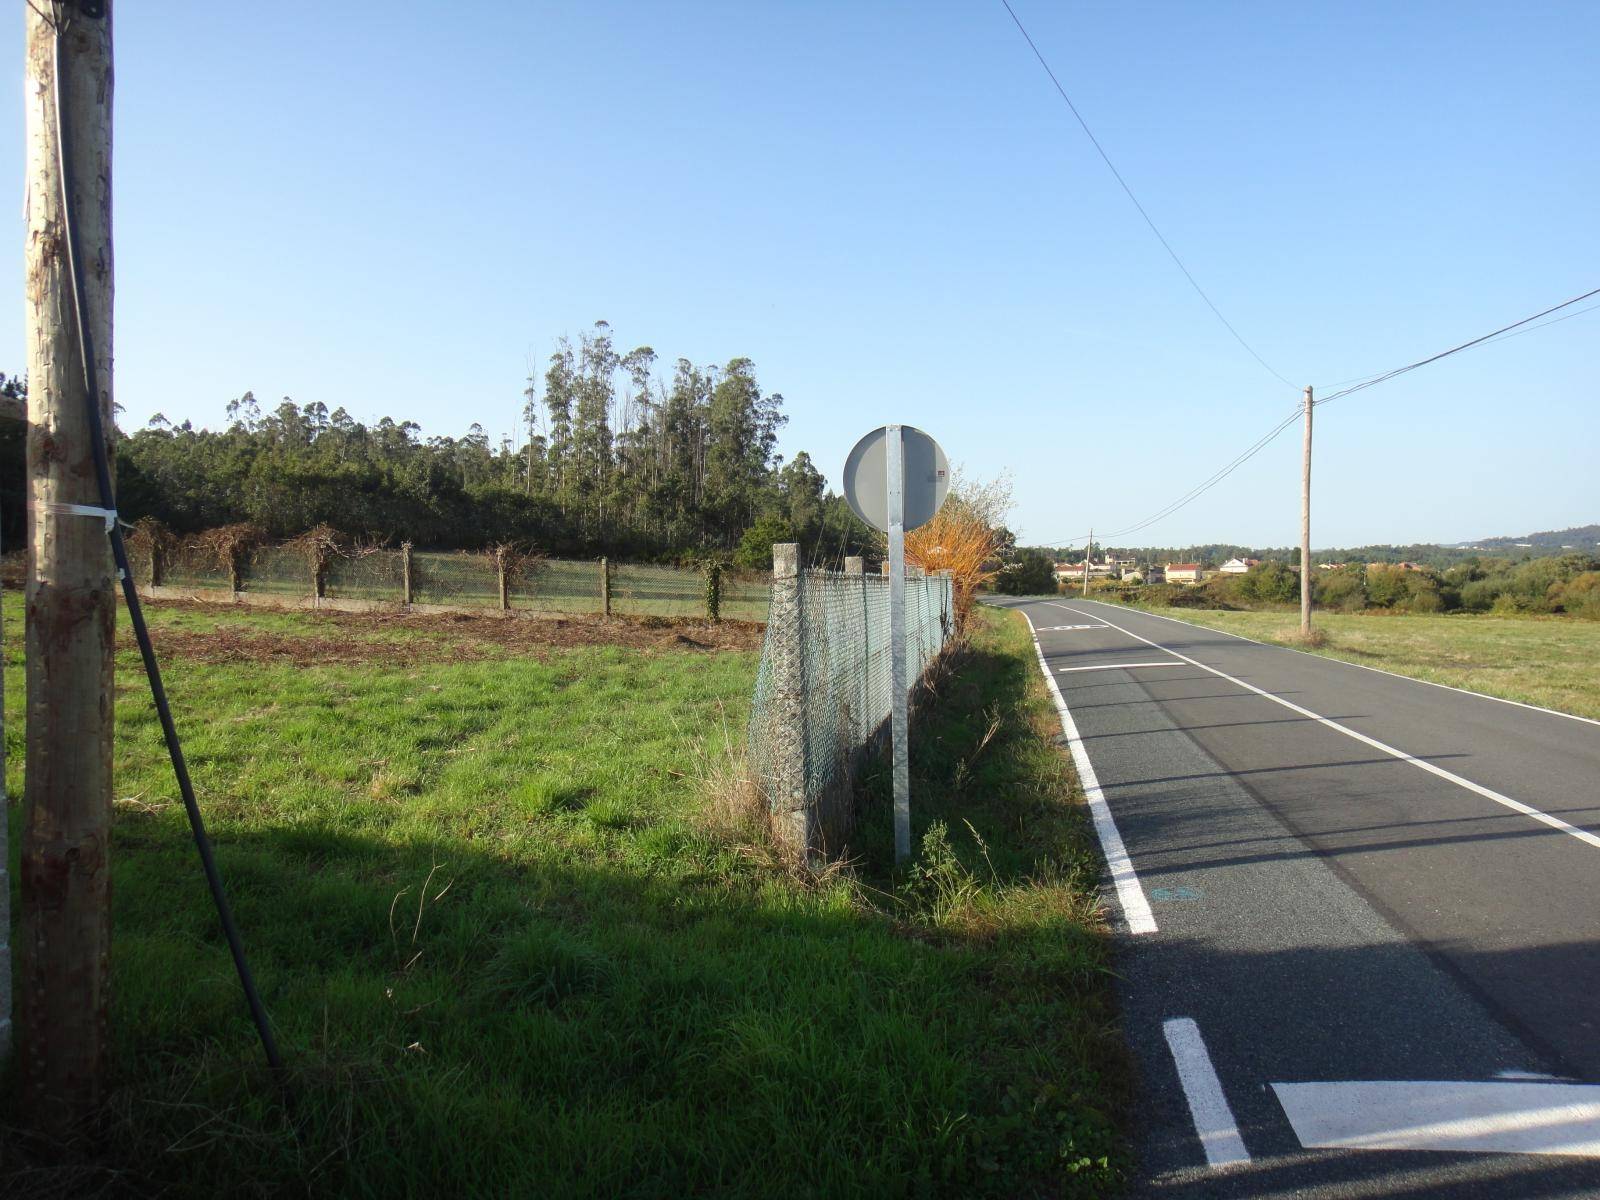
[{"x": 1358, "y": 915}]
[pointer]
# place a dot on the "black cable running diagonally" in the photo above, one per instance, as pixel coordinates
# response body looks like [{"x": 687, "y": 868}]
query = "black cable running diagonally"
[
  {"x": 1515, "y": 329},
  {"x": 1385, "y": 376},
  {"x": 102, "y": 470},
  {"x": 1160, "y": 237}
]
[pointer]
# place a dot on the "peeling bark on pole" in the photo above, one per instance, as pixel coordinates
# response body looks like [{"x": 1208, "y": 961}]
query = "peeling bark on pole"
[{"x": 65, "y": 932}]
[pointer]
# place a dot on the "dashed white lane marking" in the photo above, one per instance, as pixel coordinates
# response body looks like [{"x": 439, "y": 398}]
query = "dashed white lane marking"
[
  {"x": 1504, "y": 1118},
  {"x": 1344, "y": 662},
  {"x": 1117, "y": 667},
  {"x": 1130, "y": 893},
  {"x": 1213, "y": 1119},
  {"x": 1527, "y": 810}
]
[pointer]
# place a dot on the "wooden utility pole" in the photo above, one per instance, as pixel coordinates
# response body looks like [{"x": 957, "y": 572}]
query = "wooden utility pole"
[
  {"x": 64, "y": 939},
  {"x": 1088, "y": 546},
  {"x": 1305, "y": 524}
]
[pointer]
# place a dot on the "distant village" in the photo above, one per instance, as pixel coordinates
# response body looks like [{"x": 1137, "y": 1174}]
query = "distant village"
[{"x": 1130, "y": 570}]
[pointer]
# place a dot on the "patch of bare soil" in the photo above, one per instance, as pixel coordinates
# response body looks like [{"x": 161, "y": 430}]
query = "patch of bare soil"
[{"x": 397, "y": 639}]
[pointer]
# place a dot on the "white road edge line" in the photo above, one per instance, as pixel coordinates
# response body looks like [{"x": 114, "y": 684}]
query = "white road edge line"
[
  {"x": 1527, "y": 810},
  {"x": 1208, "y": 1107},
  {"x": 1116, "y": 667},
  {"x": 1130, "y": 893},
  {"x": 1345, "y": 662}
]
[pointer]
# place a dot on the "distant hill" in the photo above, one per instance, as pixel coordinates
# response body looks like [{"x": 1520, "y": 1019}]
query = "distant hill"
[{"x": 1579, "y": 537}]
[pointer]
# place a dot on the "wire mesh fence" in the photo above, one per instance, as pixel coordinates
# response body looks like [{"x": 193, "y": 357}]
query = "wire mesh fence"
[
  {"x": 274, "y": 570},
  {"x": 745, "y": 595},
  {"x": 196, "y": 566},
  {"x": 365, "y": 575},
  {"x": 324, "y": 570},
  {"x": 457, "y": 577},
  {"x": 650, "y": 591},
  {"x": 824, "y": 690},
  {"x": 557, "y": 585}
]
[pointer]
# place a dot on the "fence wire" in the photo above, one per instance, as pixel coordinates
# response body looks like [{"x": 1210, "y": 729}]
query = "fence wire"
[
  {"x": 459, "y": 579},
  {"x": 824, "y": 689}
]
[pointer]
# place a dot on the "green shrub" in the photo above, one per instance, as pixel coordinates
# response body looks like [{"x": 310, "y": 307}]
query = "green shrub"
[
  {"x": 755, "y": 547},
  {"x": 1344, "y": 589},
  {"x": 1268, "y": 583},
  {"x": 1032, "y": 574},
  {"x": 1580, "y": 595}
]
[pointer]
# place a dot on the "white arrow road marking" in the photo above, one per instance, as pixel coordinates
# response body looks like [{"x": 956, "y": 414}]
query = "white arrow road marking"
[
  {"x": 1504, "y": 1117},
  {"x": 1213, "y": 1119},
  {"x": 1118, "y": 667}
]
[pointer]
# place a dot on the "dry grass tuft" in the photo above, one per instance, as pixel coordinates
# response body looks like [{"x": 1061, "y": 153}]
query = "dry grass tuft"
[
  {"x": 734, "y": 812},
  {"x": 1314, "y": 640}
]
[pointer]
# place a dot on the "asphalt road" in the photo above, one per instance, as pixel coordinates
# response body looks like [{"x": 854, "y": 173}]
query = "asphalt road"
[{"x": 1338, "y": 876}]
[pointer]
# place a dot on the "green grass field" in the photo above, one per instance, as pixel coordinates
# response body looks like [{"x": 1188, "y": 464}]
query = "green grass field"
[
  {"x": 507, "y": 952},
  {"x": 1548, "y": 661}
]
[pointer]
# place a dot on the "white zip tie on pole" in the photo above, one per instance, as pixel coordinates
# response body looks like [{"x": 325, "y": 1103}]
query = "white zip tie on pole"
[{"x": 62, "y": 509}]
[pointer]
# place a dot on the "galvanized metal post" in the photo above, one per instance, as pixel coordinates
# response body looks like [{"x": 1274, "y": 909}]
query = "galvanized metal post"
[
  {"x": 899, "y": 717},
  {"x": 855, "y": 565}
]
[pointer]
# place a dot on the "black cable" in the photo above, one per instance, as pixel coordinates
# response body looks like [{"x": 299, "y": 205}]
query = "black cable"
[
  {"x": 1371, "y": 381},
  {"x": 1201, "y": 488},
  {"x": 1477, "y": 341},
  {"x": 102, "y": 470},
  {"x": 1106, "y": 158}
]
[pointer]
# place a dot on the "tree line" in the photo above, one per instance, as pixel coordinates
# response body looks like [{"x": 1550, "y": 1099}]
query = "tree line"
[
  {"x": 1567, "y": 584},
  {"x": 619, "y": 458}
]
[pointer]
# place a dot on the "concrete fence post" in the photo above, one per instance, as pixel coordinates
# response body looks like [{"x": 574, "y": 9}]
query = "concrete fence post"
[
  {"x": 158, "y": 561},
  {"x": 405, "y": 573},
  {"x": 787, "y": 703},
  {"x": 500, "y": 576},
  {"x": 605, "y": 589}
]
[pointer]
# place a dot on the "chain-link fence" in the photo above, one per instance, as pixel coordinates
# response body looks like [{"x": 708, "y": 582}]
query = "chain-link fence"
[
  {"x": 824, "y": 691},
  {"x": 305, "y": 570}
]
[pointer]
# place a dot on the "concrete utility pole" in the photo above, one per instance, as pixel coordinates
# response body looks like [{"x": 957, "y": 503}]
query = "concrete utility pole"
[
  {"x": 1088, "y": 546},
  {"x": 1305, "y": 524},
  {"x": 64, "y": 939}
]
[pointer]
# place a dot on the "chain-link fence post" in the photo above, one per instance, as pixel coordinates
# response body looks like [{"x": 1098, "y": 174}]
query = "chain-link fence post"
[
  {"x": 158, "y": 560},
  {"x": 605, "y": 589},
  {"x": 787, "y": 702},
  {"x": 405, "y": 574},
  {"x": 500, "y": 577}
]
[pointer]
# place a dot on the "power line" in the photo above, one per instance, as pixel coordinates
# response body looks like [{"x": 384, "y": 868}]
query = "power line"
[
  {"x": 1515, "y": 329},
  {"x": 1477, "y": 341},
  {"x": 1199, "y": 489},
  {"x": 1106, "y": 158}
]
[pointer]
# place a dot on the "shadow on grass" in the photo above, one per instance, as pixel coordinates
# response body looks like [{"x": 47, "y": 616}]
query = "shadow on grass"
[{"x": 527, "y": 1012}]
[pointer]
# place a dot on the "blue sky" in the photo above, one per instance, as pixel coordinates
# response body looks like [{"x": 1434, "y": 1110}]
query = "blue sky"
[{"x": 396, "y": 208}]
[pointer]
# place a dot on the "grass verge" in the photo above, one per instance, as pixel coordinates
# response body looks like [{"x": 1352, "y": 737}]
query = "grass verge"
[
  {"x": 1548, "y": 661},
  {"x": 507, "y": 952}
]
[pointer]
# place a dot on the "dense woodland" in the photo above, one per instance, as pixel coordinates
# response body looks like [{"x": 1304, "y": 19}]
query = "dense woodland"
[{"x": 619, "y": 458}]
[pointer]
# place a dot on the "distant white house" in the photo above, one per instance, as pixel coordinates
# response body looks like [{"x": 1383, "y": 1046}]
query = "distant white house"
[
  {"x": 1185, "y": 572},
  {"x": 1069, "y": 572},
  {"x": 1238, "y": 566}
]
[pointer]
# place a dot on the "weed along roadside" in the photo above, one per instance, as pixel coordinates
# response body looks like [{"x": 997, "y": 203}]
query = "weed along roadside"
[{"x": 516, "y": 939}]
